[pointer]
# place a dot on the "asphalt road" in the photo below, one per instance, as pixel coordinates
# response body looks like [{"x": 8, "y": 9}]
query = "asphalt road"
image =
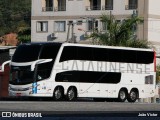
[
  {"x": 76, "y": 106},
  {"x": 81, "y": 108}
]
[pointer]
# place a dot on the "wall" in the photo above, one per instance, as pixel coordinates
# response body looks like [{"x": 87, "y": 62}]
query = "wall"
[
  {"x": 154, "y": 21},
  {"x": 75, "y": 10},
  {"x": 4, "y": 81}
]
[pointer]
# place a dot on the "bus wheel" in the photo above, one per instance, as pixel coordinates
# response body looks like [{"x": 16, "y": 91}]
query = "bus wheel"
[
  {"x": 133, "y": 96},
  {"x": 122, "y": 95},
  {"x": 58, "y": 94},
  {"x": 71, "y": 94}
]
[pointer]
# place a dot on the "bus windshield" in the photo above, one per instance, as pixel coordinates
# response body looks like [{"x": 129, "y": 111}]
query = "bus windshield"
[
  {"x": 26, "y": 55},
  {"x": 20, "y": 77}
]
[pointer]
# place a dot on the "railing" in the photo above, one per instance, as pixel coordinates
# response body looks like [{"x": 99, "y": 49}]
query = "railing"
[
  {"x": 107, "y": 7},
  {"x": 45, "y": 9},
  {"x": 88, "y": 8},
  {"x": 131, "y": 7},
  {"x": 60, "y": 8}
]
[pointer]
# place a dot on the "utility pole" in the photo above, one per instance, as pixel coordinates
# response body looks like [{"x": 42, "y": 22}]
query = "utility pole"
[
  {"x": 68, "y": 32},
  {"x": 134, "y": 25},
  {"x": 71, "y": 24},
  {"x": 73, "y": 38}
]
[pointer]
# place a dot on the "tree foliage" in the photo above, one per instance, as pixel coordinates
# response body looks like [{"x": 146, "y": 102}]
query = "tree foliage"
[
  {"x": 119, "y": 33},
  {"x": 24, "y": 35},
  {"x": 158, "y": 74},
  {"x": 12, "y": 14}
]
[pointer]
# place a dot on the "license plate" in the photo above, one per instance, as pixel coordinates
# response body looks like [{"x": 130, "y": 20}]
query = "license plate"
[{"x": 18, "y": 94}]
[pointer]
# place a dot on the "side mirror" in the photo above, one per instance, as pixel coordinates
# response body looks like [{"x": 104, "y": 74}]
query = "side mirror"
[{"x": 3, "y": 65}]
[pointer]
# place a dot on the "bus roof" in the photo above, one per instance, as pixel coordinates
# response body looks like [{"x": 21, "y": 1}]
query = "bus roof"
[
  {"x": 42, "y": 43},
  {"x": 111, "y": 47},
  {"x": 89, "y": 45}
]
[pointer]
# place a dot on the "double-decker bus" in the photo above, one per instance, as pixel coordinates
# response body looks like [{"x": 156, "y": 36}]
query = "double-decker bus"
[{"x": 70, "y": 71}]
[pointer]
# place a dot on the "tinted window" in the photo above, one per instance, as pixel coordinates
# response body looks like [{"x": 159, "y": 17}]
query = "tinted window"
[
  {"x": 4, "y": 56},
  {"x": 110, "y": 55},
  {"x": 115, "y": 55},
  {"x": 129, "y": 56},
  {"x": 26, "y": 53},
  {"x": 44, "y": 71},
  {"x": 100, "y": 54},
  {"x": 145, "y": 57},
  {"x": 110, "y": 77},
  {"x": 84, "y": 53},
  {"x": 49, "y": 51},
  {"x": 76, "y": 53},
  {"x": 70, "y": 76},
  {"x": 69, "y": 53},
  {"x": 88, "y": 77},
  {"x": 21, "y": 75}
]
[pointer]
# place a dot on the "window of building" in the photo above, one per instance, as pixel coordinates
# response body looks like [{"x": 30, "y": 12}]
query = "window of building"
[
  {"x": 133, "y": 4},
  {"x": 59, "y": 26},
  {"x": 104, "y": 26},
  {"x": 47, "y": 5},
  {"x": 95, "y": 4},
  {"x": 79, "y": 22},
  {"x": 61, "y": 5},
  {"x": 92, "y": 25},
  {"x": 108, "y": 5},
  {"x": 42, "y": 26}
]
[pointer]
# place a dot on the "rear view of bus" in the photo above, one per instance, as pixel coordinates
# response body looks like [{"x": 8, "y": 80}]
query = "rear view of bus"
[{"x": 31, "y": 64}]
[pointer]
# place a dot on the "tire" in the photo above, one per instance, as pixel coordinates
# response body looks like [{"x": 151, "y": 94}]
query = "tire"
[
  {"x": 122, "y": 96},
  {"x": 71, "y": 94},
  {"x": 58, "y": 94},
  {"x": 133, "y": 96}
]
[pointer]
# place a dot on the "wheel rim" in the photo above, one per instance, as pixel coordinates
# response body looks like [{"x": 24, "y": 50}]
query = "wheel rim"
[
  {"x": 71, "y": 95},
  {"x": 133, "y": 95},
  {"x": 122, "y": 95},
  {"x": 58, "y": 94}
]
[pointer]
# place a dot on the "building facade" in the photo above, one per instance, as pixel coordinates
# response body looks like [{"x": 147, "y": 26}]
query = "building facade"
[{"x": 73, "y": 20}]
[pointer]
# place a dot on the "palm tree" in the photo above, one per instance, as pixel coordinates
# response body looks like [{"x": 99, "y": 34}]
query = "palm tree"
[
  {"x": 119, "y": 33},
  {"x": 158, "y": 74}
]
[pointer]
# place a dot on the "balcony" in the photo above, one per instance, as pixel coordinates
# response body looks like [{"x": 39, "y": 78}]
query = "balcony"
[
  {"x": 60, "y": 8},
  {"x": 131, "y": 7},
  {"x": 107, "y": 7},
  {"x": 47, "y": 9},
  {"x": 88, "y": 8}
]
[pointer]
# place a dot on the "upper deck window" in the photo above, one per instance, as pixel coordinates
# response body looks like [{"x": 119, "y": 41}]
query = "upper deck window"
[{"x": 26, "y": 53}]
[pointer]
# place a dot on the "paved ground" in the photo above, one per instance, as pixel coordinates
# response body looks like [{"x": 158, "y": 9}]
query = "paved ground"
[
  {"x": 76, "y": 106},
  {"x": 81, "y": 108}
]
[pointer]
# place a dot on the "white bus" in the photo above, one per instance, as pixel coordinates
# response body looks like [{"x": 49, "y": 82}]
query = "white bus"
[{"x": 66, "y": 70}]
